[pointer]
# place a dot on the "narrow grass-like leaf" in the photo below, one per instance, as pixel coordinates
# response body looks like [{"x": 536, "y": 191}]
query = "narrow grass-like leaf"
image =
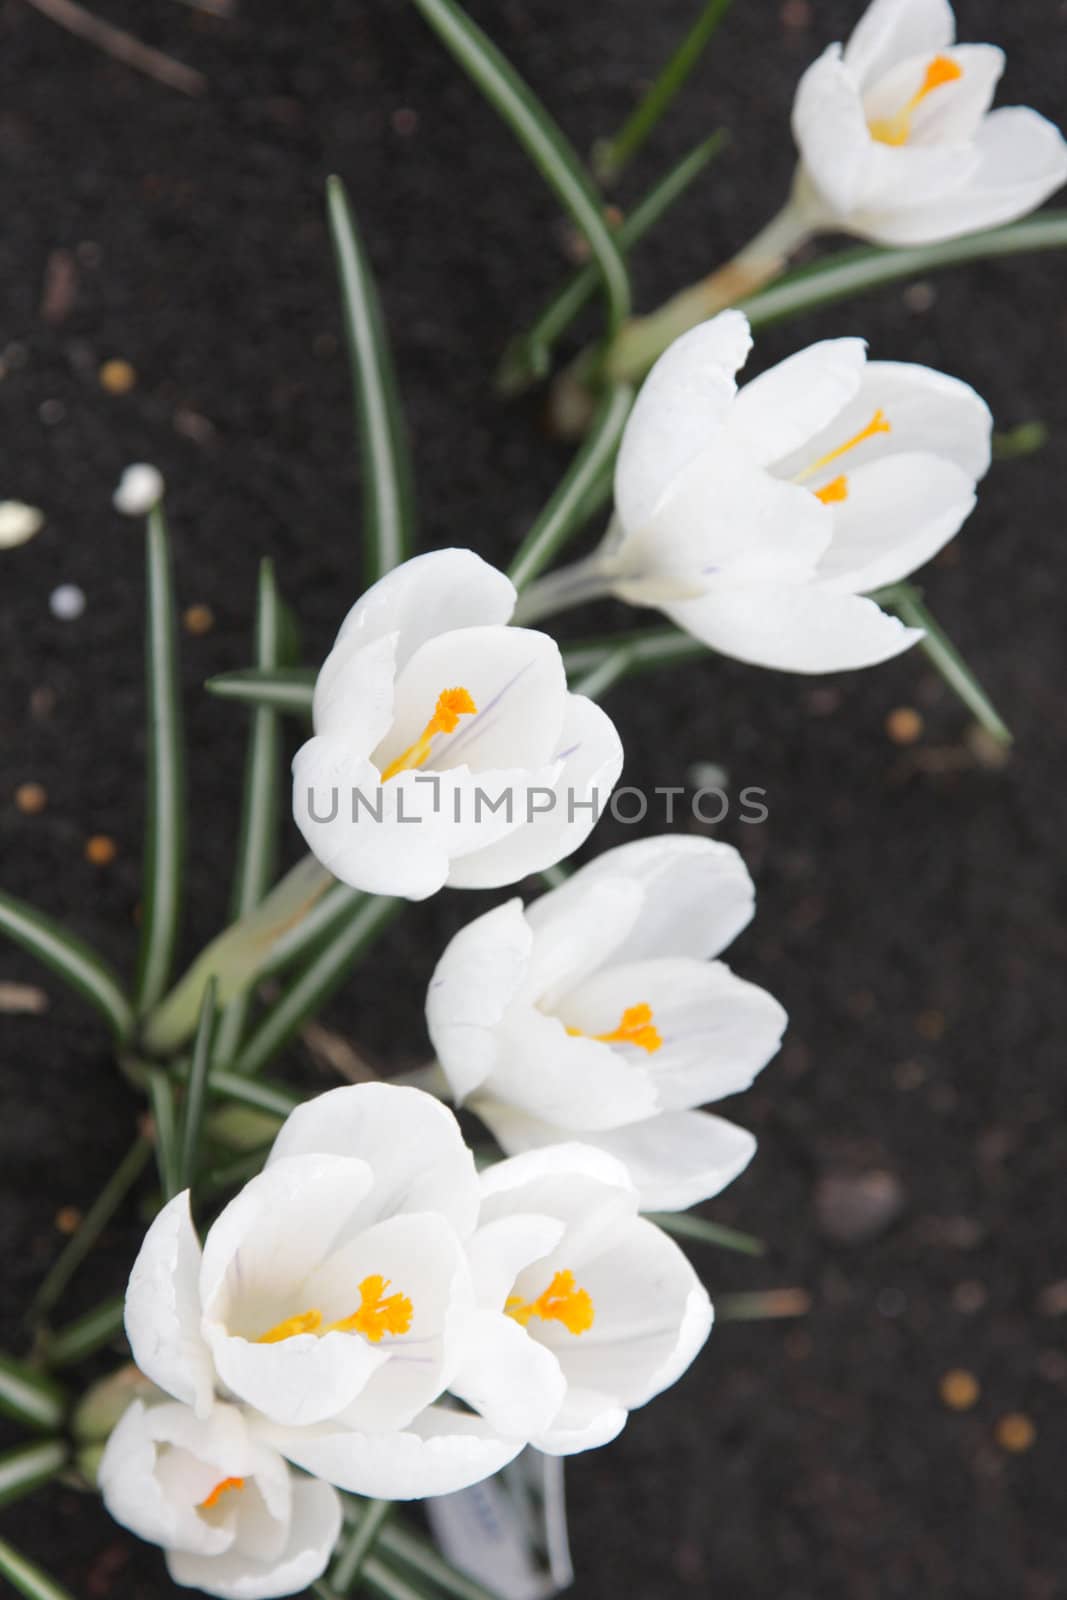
[
  {"x": 558, "y": 520},
  {"x": 852, "y": 272},
  {"x": 529, "y": 356},
  {"x": 685, "y": 1226},
  {"x": 315, "y": 985},
  {"x": 86, "y": 1335},
  {"x": 613, "y": 667},
  {"x": 647, "y": 649},
  {"x": 285, "y": 689},
  {"x": 29, "y": 1467},
  {"x": 165, "y": 1124},
  {"x": 196, "y": 1091},
  {"x": 346, "y": 1570},
  {"x": 29, "y": 1579},
  {"x": 542, "y": 140},
  {"x": 165, "y": 805},
  {"x": 906, "y": 602},
  {"x": 610, "y": 156},
  {"x": 30, "y": 1398},
  {"x": 388, "y": 479},
  {"x": 92, "y": 1226},
  {"x": 70, "y": 958},
  {"x": 415, "y": 1554},
  {"x": 762, "y": 1305},
  {"x": 231, "y": 1175},
  {"x": 271, "y": 1097},
  {"x": 257, "y": 851}
]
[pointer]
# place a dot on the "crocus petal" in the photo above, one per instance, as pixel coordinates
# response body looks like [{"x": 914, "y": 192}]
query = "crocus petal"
[
  {"x": 353, "y": 697},
  {"x": 684, "y": 400},
  {"x": 314, "y": 1529},
  {"x": 577, "y": 1083},
  {"x": 475, "y": 982},
  {"x": 163, "y": 1308},
  {"x": 500, "y": 1250},
  {"x": 410, "y": 1141},
  {"x": 954, "y": 112},
  {"x": 135, "y": 1496},
  {"x": 680, "y": 1158},
  {"x": 782, "y": 409},
  {"x": 428, "y": 595},
  {"x": 899, "y": 513},
  {"x": 831, "y": 133},
  {"x": 589, "y": 761},
  {"x": 299, "y": 1380},
  {"x": 892, "y": 30},
  {"x": 440, "y": 1452},
  {"x": 586, "y": 1420},
  {"x": 576, "y": 931},
  {"x": 514, "y": 1382},
  {"x": 793, "y": 627}
]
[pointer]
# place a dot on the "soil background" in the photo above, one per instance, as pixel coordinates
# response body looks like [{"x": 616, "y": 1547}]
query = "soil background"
[{"x": 911, "y": 899}]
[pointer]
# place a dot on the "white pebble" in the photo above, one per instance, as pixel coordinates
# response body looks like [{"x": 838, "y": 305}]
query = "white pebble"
[
  {"x": 140, "y": 488},
  {"x": 67, "y": 602},
  {"x": 18, "y": 523}
]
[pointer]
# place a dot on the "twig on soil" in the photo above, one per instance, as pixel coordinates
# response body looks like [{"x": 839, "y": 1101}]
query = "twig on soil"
[{"x": 122, "y": 46}]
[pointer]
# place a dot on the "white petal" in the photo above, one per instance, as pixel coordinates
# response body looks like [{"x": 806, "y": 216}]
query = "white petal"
[
  {"x": 795, "y": 628},
  {"x": 684, "y": 400},
  {"x": 576, "y": 929},
  {"x": 411, "y": 1142},
  {"x": 587, "y": 1420},
  {"x": 590, "y": 752},
  {"x": 514, "y": 1382},
  {"x": 780, "y": 410},
  {"x": 133, "y": 1493},
  {"x": 353, "y": 698},
  {"x": 577, "y": 1083},
  {"x": 440, "y": 1452},
  {"x": 429, "y": 595},
  {"x": 580, "y": 1186},
  {"x": 163, "y": 1308},
  {"x": 831, "y": 133},
  {"x": 500, "y": 1250},
  {"x": 474, "y": 983},
  {"x": 313, "y": 1531},
  {"x": 681, "y": 1158},
  {"x": 952, "y": 113},
  {"x": 300, "y": 1380},
  {"x": 891, "y": 30},
  {"x": 899, "y": 513}
]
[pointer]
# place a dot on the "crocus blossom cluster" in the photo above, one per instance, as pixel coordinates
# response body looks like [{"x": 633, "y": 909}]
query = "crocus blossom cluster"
[
  {"x": 596, "y": 1013},
  {"x": 344, "y": 1302},
  {"x": 897, "y": 141}
]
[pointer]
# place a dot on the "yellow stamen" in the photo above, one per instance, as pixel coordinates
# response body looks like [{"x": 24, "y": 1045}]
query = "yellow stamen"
[
  {"x": 635, "y": 1028},
  {"x": 451, "y": 705},
  {"x": 832, "y": 492},
  {"x": 562, "y": 1302},
  {"x": 221, "y": 1488},
  {"x": 896, "y": 130},
  {"x": 877, "y": 424},
  {"x": 377, "y": 1315}
]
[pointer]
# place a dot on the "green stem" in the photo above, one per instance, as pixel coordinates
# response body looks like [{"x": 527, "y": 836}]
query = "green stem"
[
  {"x": 906, "y": 601},
  {"x": 84, "y": 1337},
  {"x": 92, "y": 1226},
  {"x": 685, "y": 1226},
  {"x": 561, "y": 590},
  {"x": 350, "y": 1563},
  {"x": 30, "y": 1467}
]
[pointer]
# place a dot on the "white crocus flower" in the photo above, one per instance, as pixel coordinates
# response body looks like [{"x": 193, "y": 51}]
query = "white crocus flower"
[
  {"x": 601, "y": 1292},
  {"x": 334, "y": 1297},
  {"x": 759, "y": 519},
  {"x": 447, "y": 748},
  {"x": 897, "y": 141},
  {"x": 596, "y": 1014},
  {"x": 233, "y": 1518}
]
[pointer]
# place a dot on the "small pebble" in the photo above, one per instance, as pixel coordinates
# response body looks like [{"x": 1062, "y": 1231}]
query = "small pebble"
[
  {"x": 18, "y": 523},
  {"x": 31, "y": 798},
  {"x": 51, "y": 412},
  {"x": 139, "y": 489},
  {"x": 959, "y": 1390},
  {"x": 1015, "y": 1432},
  {"x": 101, "y": 850},
  {"x": 852, "y": 1208},
  {"x": 969, "y": 1296},
  {"x": 920, "y": 297},
  {"x": 68, "y": 1219},
  {"x": 904, "y": 725},
  {"x": 67, "y": 602},
  {"x": 199, "y": 620},
  {"x": 909, "y": 1075},
  {"x": 117, "y": 376},
  {"x": 930, "y": 1025}
]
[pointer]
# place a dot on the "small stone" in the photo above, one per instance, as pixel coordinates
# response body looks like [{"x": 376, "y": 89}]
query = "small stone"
[
  {"x": 18, "y": 523},
  {"x": 959, "y": 1389},
  {"x": 139, "y": 489},
  {"x": 1015, "y": 1433},
  {"x": 117, "y": 376},
  {"x": 853, "y": 1208},
  {"x": 101, "y": 850},
  {"x": 405, "y": 121},
  {"x": 51, "y": 412},
  {"x": 930, "y": 1025},
  {"x": 920, "y": 296},
  {"x": 31, "y": 798},
  {"x": 68, "y": 1220},
  {"x": 909, "y": 1075},
  {"x": 904, "y": 725},
  {"x": 67, "y": 602},
  {"x": 199, "y": 619},
  {"x": 969, "y": 1296},
  {"x": 1052, "y": 1301}
]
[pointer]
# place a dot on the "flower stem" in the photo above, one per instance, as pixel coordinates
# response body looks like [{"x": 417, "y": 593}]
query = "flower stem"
[{"x": 589, "y": 579}]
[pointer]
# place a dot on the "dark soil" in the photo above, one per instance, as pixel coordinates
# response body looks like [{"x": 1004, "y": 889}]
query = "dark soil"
[{"x": 911, "y": 912}]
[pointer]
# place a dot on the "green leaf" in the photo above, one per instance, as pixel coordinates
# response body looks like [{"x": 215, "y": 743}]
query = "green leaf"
[
  {"x": 558, "y": 520},
  {"x": 315, "y": 985},
  {"x": 92, "y": 1226},
  {"x": 70, "y": 958},
  {"x": 165, "y": 806},
  {"x": 388, "y": 480},
  {"x": 646, "y": 649},
  {"x": 84, "y": 1337},
  {"x": 271, "y": 1097},
  {"x": 906, "y": 602},
  {"x": 196, "y": 1090},
  {"x": 852, "y": 272},
  {"x": 30, "y": 1398},
  {"x": 685, "y": 1226},
  {"x": 284, "y": 689},
  {"x": 529, "y": 356},
  {"x": 164, "y": 1117},
  {"x": 345, "y": 1574},
  {"x": 28, "y": 1579},
  {"x": 537, "y": 133},
  {"x": 415, "y": 1554},
  {"x": 610, "y": 156},
  {"x": 30, "y": 1467},
  {"x": 257, "y": 850}
]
